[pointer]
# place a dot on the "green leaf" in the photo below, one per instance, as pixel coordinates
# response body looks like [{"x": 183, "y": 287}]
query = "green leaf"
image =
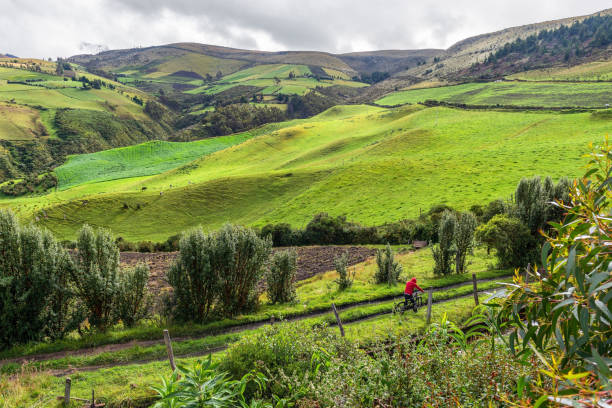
[{"x": 540, "y": 401}]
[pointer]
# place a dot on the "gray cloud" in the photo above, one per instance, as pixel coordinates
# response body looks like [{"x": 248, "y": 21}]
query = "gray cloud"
[{"x": 48, "y": 28}]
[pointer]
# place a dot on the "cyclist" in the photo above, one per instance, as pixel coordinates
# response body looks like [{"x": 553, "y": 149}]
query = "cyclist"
[{"x": 410, "y": 286}]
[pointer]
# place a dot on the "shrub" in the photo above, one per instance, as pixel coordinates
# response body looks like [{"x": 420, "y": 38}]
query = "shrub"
[
  {"x": 239, "y": 256},
  {"x": 217, "y": 270},
  {"x": 283, "y": 350},
  {"x": 133, "y": 300},
  {"x": 35, "y": 297},
  {"x": 95, "y": 276},
  {"x": 194, "y": 281},
  {"x": 388, "y": 270},
  {"x": 464, "y": 238},
  {"x": 280, "y": 277},
  {"x": 443, "y": 251},
  {"x": 345, "y": 279},
  {"x": 324, "y": 229},
  {"x": 281, "y": 234},
  {"x": 511, "y": 238}
]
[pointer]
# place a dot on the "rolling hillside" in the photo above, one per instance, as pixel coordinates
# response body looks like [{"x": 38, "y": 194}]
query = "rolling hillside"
[
  {"x": 372, "y": 164},
  {"x": 45, "y": 116}
]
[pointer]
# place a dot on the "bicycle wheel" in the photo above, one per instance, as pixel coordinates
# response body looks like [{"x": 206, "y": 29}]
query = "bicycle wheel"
[{"x": 398, "y": 308}]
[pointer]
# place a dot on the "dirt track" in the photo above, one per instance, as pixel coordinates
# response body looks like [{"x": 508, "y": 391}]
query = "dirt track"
[{"x": 312, "y": 260}]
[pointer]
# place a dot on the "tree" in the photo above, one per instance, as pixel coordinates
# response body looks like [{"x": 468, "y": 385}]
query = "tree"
[
  {"x": 95, "y": 275},
  {"x": 464, "y": 238},
  {"x": 291, "y": 75},
  {"x": 280, "y": 276},
  {"x": 219, "y": 75},
  {"x": 154, "y": 110},
  {"x": 277, "y": 80},
  {"x": 59, "y": 68},
  {"x": 443, "y": 251},
  {"x": 387, "y": 269}
]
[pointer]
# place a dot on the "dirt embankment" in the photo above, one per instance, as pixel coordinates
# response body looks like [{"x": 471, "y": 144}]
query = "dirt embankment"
[{"x": 312, "y": 260}]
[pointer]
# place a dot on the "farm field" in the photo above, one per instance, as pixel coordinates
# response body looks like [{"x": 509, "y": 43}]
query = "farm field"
[
  {"x": 590, "y": 71},
  {"x": 263, "y": 76},
  {"x": 374, "y": 164},
  {"x": 139, "y": 160},
  {"x": 552, "y": 94}
]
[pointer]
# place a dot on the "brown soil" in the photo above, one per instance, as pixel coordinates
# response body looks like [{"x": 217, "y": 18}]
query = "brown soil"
[{"x": 312, "y": 260}]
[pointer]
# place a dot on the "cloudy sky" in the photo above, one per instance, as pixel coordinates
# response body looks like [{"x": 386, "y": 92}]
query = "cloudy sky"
[{"x": 51, "y": 28}]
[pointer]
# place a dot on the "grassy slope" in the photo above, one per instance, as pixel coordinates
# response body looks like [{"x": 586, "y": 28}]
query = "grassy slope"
[
  {"x": 591, "y": 71},
  {"x": 19, "y": 122},
  {"x": 374, "y": 165},
  {"x": 509, "y": 93},
  {"x": 140, "y": 160}
]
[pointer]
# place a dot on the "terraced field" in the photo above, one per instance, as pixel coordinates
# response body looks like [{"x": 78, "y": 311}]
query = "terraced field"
[
  {"x": 509, "y": 93},
  {"x": 374, "y": 164}
]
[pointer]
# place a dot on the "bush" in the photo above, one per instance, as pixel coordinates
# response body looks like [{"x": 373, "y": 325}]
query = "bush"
[
  {"x": 194, "y": 281},
  {"x": 464, "y": 238},
  {"x": 515, "y": 245},
  {"x": 345, "y": 279},
  {"x": 217, "y": 270},
  {"x": 281, "y": 234},
  {"x": 35, "y": 296},
  {"x": 280, "y": 277},
  {"x": 133, "y": 300},
  {"x": 388, "y": 270},
  {"x": 96, "y": 275},
  {"x": 443, "y": 251}
]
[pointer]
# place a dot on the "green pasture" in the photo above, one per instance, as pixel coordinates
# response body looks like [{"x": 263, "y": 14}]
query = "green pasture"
[
  {"x": 14, "y": 74},
  {"x": 19, "y": 122},
  {"x": 139, "y": 160},
  {"x": 551, "y": 94},
  {"x": 590, "y": 71},
  {"x": 74, "y": 98}
]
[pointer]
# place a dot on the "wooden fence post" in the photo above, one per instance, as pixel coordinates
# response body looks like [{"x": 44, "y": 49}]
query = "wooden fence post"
[
  {"x": 475, "y": 288},
  {"x": 67, "y": 391},
  {"x": 429, "y": 302},
  {"x": 93, "y": 399},
  {"x": 338, "y": 320},
  {"x": 169, "y": 349}
]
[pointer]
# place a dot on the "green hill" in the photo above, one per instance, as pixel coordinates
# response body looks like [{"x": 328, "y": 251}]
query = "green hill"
[
  {"x": 591, "y": 95},
  {"x": 372, "y": 164}
]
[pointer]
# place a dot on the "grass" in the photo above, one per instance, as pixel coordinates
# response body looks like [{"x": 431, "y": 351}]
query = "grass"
[
  {"x": 509, "y": 93},
  {"x": 29, "y": 389},
  {"x": 374, "y": 164},
  {"x": 19, "y": 122},
  {"x": 139, "y": 160},
  {"x": 315, "y": 294},
  {"x": 590, "y": 71}
]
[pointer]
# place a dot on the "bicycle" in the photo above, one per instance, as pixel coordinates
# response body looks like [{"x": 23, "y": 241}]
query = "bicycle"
[{"x": 414, "y": 305}]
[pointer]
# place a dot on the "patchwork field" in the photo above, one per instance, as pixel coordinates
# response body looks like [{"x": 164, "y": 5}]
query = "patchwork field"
[
  {"x": 373, "y": 164},
  {"x": 509, "y": 93},
  {"x": 274, "y": 79}
]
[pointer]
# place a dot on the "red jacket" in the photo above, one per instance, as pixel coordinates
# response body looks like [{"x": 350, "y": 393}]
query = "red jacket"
[{"x": 410, "y": 285}]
